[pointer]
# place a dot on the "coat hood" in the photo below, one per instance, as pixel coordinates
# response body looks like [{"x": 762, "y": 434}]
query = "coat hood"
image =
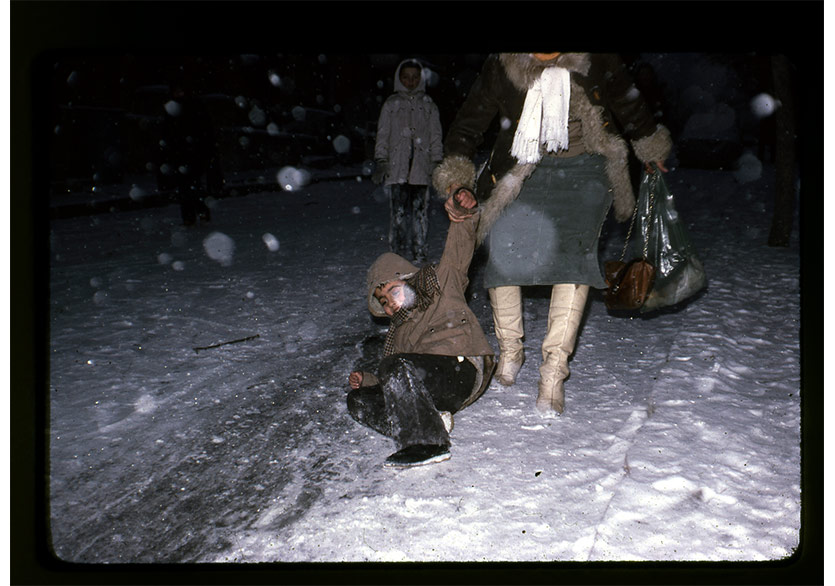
[
  {"x": 398, "y": 85},
  {"x": 388, "y": 267}
]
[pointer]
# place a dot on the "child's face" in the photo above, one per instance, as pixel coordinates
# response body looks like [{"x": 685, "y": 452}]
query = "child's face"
[
  {"x": 392, "y": 296},
  {"x": 410, "y": 77}
]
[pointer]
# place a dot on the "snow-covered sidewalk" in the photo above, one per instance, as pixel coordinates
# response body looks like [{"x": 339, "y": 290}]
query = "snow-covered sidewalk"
[{"x": 680, "y": 440}]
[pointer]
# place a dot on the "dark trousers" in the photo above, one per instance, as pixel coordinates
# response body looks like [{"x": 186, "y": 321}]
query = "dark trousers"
[
  {"x": 413, "y": 390},
  {"x": 409, "y": 220},
  {"x": 190, "y": 195}
]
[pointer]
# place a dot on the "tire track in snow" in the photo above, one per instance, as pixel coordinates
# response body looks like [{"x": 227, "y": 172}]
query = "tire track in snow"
[{"x": 313, "y": 477}]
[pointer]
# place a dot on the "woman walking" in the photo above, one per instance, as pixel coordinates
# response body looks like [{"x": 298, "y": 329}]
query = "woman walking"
[{"x": 559, "y": 162}]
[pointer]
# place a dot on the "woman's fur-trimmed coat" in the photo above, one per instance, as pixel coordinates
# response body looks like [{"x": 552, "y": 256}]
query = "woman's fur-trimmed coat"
[{"x": 603, "y": 98}]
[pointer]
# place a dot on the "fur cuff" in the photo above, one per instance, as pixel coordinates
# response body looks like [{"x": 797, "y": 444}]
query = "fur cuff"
[
  {"x": 655, "y": 147},
  {"x": 453, "y": 170},
  {"x": 502, "y": 195}
]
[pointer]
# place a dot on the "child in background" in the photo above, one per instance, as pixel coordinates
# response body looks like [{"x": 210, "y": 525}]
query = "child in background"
[{"x": 409, "y": 145}]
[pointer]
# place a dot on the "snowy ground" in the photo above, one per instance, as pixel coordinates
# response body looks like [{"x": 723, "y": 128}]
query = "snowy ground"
[{"x": 681, "y": 438}]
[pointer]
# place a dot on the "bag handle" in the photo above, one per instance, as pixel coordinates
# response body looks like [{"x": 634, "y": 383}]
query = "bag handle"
[{"x": 653, "y": 182}]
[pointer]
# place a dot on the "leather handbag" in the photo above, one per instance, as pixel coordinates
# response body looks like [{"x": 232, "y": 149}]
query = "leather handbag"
[{"x": 629, "y": 284}]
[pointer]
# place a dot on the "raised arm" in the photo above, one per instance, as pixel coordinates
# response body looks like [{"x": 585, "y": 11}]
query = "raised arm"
[{"x": 461, "y": 236}]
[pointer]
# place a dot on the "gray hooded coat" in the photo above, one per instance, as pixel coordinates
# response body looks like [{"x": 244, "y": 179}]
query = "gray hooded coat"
[{"x": 409, "y": 134}]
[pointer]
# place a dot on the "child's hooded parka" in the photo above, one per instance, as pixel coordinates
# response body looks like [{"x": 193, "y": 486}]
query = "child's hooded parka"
[
  {"x": 409, "y": 134},
  {"x": 448, "y": 327}
]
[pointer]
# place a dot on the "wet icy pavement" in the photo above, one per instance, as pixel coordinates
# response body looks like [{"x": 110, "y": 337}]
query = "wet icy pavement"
[{"x": 680, "y": 440}]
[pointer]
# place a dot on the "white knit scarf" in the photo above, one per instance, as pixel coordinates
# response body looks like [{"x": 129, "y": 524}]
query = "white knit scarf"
[{"x": 544, "y": 117}]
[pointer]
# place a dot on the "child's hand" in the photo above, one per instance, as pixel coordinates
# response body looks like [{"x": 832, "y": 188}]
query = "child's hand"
[
  {"x": 355, "y": 379},
  {"x": 458, "y": 206},
  {"x": 465, "y": 198}
]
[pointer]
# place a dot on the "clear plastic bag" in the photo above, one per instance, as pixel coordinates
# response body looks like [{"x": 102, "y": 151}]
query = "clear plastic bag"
[{"x": 679, "y": 274}]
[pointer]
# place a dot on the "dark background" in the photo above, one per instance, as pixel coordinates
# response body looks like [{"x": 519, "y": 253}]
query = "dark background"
[
  {"x": 102, "y": 120},
  {"x": 105, "y": 109}
]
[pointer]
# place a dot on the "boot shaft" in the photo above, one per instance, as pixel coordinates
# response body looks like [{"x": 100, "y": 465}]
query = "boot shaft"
[
  {"x": 506, "y": 303},
  {"x": 568, "y": 304}
]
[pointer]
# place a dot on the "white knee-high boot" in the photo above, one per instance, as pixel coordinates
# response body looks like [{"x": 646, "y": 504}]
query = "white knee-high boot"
[
  {"x": 507, "y": 318},
  {"x": 568, "y": 302}
]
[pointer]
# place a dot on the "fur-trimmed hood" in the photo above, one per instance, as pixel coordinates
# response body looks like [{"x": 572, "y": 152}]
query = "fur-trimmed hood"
[{"x": 602, "y": 93}]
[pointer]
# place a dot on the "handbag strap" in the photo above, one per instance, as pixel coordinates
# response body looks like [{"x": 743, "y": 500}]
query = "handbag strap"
[{"x": 653, "y": 181}]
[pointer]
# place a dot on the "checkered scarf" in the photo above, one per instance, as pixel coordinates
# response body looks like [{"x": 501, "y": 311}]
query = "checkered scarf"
[{"x": 426, "y": 287}]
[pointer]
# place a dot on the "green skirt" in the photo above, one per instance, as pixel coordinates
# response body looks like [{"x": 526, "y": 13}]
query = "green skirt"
[{"x": 550, "y": 233}]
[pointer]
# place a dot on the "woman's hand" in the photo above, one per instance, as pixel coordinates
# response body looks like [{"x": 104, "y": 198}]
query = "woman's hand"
[
  {"x": 461, "y": 200},
  {"x": 659, "y": 164},
  {"x": 355, "y": 379}
]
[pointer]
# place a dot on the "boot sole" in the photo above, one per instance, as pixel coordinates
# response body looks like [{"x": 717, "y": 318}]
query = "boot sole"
[
  {"x": 432, "y": 460},
  {"x": 549, "y": 411}
]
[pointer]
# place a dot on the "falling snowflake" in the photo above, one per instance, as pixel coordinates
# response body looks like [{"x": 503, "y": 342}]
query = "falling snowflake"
[{"x": 219, "y": 247}]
